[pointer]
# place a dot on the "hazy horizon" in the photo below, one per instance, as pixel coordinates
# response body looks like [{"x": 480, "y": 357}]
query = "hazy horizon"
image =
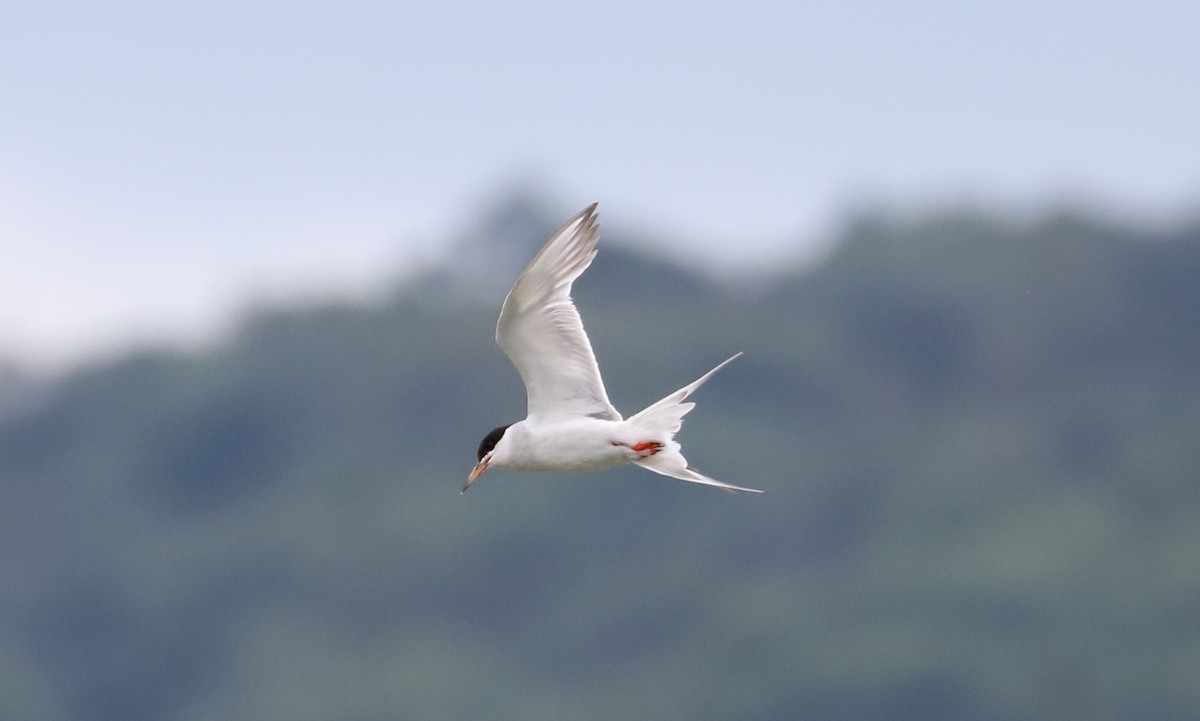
[{"x": 211, "y": 324}]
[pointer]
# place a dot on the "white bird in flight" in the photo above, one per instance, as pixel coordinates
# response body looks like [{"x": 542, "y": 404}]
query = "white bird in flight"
[{"x": 570, "y": 423}]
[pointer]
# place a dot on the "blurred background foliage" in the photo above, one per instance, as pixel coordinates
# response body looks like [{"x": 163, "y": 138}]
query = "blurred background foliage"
[{"x": 978, "y": 437}]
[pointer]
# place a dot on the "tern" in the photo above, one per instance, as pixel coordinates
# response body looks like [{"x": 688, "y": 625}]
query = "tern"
[{"x": 570, "y": 424}]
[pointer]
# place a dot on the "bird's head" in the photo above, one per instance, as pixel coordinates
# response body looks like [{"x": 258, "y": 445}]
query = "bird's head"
[{"x": 491, "y": 448}]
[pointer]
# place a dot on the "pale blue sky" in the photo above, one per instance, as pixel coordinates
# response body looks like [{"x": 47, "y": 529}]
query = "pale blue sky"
[{"x": 162, "y": 162}]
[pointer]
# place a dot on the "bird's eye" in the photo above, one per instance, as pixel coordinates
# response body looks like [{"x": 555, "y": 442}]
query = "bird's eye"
[{"x": 489, "y": 441}]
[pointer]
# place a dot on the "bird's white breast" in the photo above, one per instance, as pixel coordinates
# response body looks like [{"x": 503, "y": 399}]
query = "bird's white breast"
[{"x": 576, "y": 444}]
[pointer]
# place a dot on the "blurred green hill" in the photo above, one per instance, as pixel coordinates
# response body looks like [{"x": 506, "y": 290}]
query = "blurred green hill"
[{"x": 979, "y": 440}]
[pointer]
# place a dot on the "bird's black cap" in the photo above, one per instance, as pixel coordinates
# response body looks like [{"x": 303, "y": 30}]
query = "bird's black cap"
[{"x": 489, "y": 441}]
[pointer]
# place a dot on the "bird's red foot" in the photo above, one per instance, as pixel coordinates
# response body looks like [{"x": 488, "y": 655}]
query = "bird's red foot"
[
  {"x": 645, "y": 449},
  {"x": 648, "y": 448}
]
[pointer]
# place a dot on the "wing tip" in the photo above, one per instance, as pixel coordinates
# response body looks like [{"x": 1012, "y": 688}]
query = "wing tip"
[{"x": 588, "y": 213}]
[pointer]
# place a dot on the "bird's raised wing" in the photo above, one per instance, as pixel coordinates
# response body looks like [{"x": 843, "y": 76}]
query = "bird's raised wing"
[{"x": 541, "y": 331}]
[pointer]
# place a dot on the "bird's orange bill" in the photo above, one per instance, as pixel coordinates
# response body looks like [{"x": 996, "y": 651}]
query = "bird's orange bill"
[{"x": 476, "y": 472}]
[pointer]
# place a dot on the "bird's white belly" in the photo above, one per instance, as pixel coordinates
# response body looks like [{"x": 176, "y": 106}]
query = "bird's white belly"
[{"x": 585, "y": 444}]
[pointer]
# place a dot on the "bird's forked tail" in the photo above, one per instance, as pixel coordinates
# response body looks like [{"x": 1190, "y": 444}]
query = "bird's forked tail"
[{"x": 665, "y": 417}]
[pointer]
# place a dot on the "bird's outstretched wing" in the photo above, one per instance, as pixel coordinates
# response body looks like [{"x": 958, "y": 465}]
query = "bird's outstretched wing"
[{"x": 542, "y": 333}]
